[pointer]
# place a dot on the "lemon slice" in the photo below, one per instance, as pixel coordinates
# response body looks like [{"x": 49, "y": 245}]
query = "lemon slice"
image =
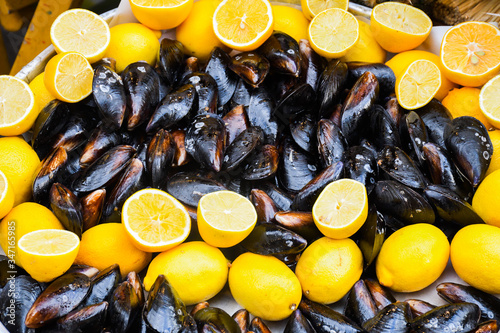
[
  {"x": 225, "y": 218},
  {"x": 489, "y": 101},
  {"x": 333, "y": 32},
  {"x": 311, "y": 8},
  {"x": 82, "y": 31},
  {"x": 243, "y": 25},
  {"x": 155, "y": 221},
  {"x": 470, "y": 53},
  {"x": 418, "y": 84},
  {"x": 48, "y": 253},
  {"x": 68, "y": 76},
  {"x": 18, "y": 109},
  {"x": 6, "y": 195},
  {"x": 398, "y": 27},
  {"x": 161, "y": 14},
  {"x": 341, "y": 208}
]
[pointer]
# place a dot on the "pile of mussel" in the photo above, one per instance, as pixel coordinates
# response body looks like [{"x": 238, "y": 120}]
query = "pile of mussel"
[{"x": 86, "y": 300}]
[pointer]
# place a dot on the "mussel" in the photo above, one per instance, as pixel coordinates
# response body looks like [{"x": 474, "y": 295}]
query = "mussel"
[
  {"x": 264, "y": 205},
  {"x": 181, "y": 156},
  {"x": 103, "y": 285},
  {"x": 270, "y": 239},
  {"x": 297, "y": 101},
  {"x": 394, "y": 318},
  {"x": 243, "y": 145},
  {"x": 371, "y": 235},
  {"x": 283, "y": 53},
  {"x": 50, "y": 121},
  {"x": 419, "y": 307},
  {"x": 92, "y": 208},
  {"x": 380, "y": 294},
  {"x": 383, "y": 130},
  {"x": 414, "y": 136},
  {"x": 331, "y": 142},
  {"x": 52, "y": 169},
  {"x": 159, "y": 156},
  {"x": 297, "y": 168},
  {"x": 171, "y": 60},
  {"x": 67, "y": 208},
  {"x": 361, "y": 166},
  {"x": 312, "y": 64},
  {"x": 218, "y": 67},
  {"x": 88, "y": 319},
  {"x": 263, "y": 164},
  {"x": 303, "y": 131},
  {"x": 325, "y": 320},
  {"x": 300, "y": 222},
  {"x": 384, "y": 74},
  {"x": 236, "y": 121},
  {"x": 399, "y": 166},
  {"x": 101, "y": 140},
  {"x": 188, "y": 188},
  {"x": 206, "y": 89},
  {"x": 360, "y": 306},
  {"x": 458, "y": 317},
  {"x": 242, "y": 318},
  {"x": 297, "y": 323},
  {"x": 435, "y": 117},
  {"x": 258, "y": 326},
  {"x": 280, "y": 197},
  {"x": 251, "y": 67},
  {"x": 123, "y": 307},
  {"x": 259, "y": 114},
  {"x": 330, "y": 86}
]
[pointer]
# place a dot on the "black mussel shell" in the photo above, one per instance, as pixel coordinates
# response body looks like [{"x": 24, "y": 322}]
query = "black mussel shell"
[
  {"x": 419, "y": 307},
  {"x": 50, "y": 121},
  {"x": 301, "y": 99},
  {"x": 242, "y": 94},
  {"x": 103, "y": 285},
  {"x": 283, "y": 53},
  {"x": 360, "y": 165},
  {"x": 414, "y": 136},
  {"x": 394, "y": 318},
  {"x": 383, "y": 130},
  {"x": 188, "y": 188},
  {"x": 243, "y": 145},
  {"x": 304, "y": 200},
  {"x": 296, "y": 168},
  {"x": 264, "y": 205},
  {"x": 326, "y": 320},
  {"x": 92, "y": 208},
  {"x": 101, "y": 140},
  {"x": 383, "y": 73},
  {"x": 330, "y": 85},
  {"x": 251, "y": 67},
  {"x": 263, "y": 164},
  {"x": 259, "y": 114},
  {"x": 198, "y": 306},
  {"x": 281, "y": 198},
  {"x": 301, "y": 223},
  {"x": 206, "y": 88},
  {"x": 381, "y": 295},
  {"x": 450, "y": 207},
  {"x": 435, "y": 117},
  {"x": 175, "y": 107},
  {"x": 371, "y": 235},
  {"x": 88, "y": 319},
  {"x": 76, "y": 131},
  {"x": 399, "y": 166},
  {"x": 90, "y": 271},
  {"x": 123, "y": 307},
  {"x": 470, "y": 145},
  {"x": 159, "y": 157},
  {"x": 402, "y": 203},
  {"x": 297, "y": 323},
  {"x": 360, "y": 306},
  {"x": 218, "y": 67},
  {"x": 303, "y": 131},
  {"x": 191, "y": 65},
  {"x": 258, "y": 326},
  {"x": 464, "y": 317},
  {"x": 278, "y": 85},
  {"x": 312, "y": 64},
  {"x": 331, "y": 142},
  {"x": 67, "y": 208},
  {"x": 52, "y": 170},
  {"x": 171, "y": 60},
  {"x": 271, "y": 239},
  {"x": 236, "y": 121},
  {"x": 135, "y": 281},
  {"x": 357, "y": 107},
  {"x": 394, "y": 110},
  {"x": 181, "y": 156},
  {"x": 206, "y": 141},
  {"x": 219, "y": 319},
  {"x": 109, "y": 95},
  {"x": 242, "y": 318}
]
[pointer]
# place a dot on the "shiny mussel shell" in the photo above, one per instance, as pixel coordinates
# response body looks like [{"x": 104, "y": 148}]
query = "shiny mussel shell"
[
  {"x": 242, "y": 146},
  {"x": 399, "y": 166},
  {"x": 92, "y": 208},
  {"x": 301, "y": 223},
  {"x": 281, "y": 198},
  {"x": 263, "y": 164},
  {"x": 260, "y": 114},
  {"x": 312, "y": 64},
  {"x": 264, "y": 205},
  {"x": 236, "y": 121},
  {"x": 52, "y": 170},
  {"x": 384, "y": 74},
  {"x": 109, "y": 95},
  {"x": 50, "y": 121},
  {"x": 325, "y": 320},
  {"x": 360, "y": 306},
  {"x": 123, "y": 307},
  {"x": 88, "y": 319},
  {"x": 251, "y": 67},
  {"x": 171, "y": 60},
  {"x": 414, "y": 136},
  {"x": 270, "y": 239},
  {"x": 435, "y": 117},
  {"x": 371, "y": 235},
  {"x": 301, "y": 99},
  {"x": 103, "y": 285},
  {"x": 459, "y": 318},
  {"x": 67, "y": 208},
  {"x": 189, "y": 187},
  {"x": 394, "y": 318},
  {"x": 296, "y": 168},
  {"x": 218, "y": 67},
  {"x": 303, "y": 131},
  {"x": 206, "y": 89},
  {"x": 381, "y": 295},
  {"x": 297, "y": 323},
  {"x": 331, "y": 142},
  {"x": 361, "y": 166},
  {"x": 217, "y": 318},
  {"x": 330, "y": 86},
  {"x": 419, "y": 307},
  {"x": 283, "y": 53},
  {"x": 159, "y": 157},
  {"x": 383, "y": 130},
  {"x": 101, "y": 140}
]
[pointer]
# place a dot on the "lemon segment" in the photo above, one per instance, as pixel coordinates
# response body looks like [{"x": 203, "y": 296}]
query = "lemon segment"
[
  {"x": 311, "y": 8},
  {"x": 47, "y": 254},
  {"x": 155, "y": 221},
  {"x": 243, "y": 25},
  {"x": 6, "y": 195},
  {"x": 341, "y": 208},
  {"x": 225, "y": 218},
  {"x": 418, "y": 85},
  {"x": 398, "y": 27},
  {"x": 333, "y": 32},
  {"x": 489, "y": 101},
  {"x": 18, "y": 109},
  {"x": 161, "y": 14},
  {"x": 80, "y": 30}
]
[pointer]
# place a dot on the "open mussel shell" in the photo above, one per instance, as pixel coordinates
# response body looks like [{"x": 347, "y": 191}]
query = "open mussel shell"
[
  {"x": 371, "y": 235},
  {"x": 264, "y": 205},
  {"x": 402, "y": 203},
  {"x": 236, "y": 121},
  {"x": 283, "y": 53},
  {"x": 331, "y": 142},
  {"x": 383, "y": 130},
  {"x": 242, "y": 318},
  {"x": 206, "y": 89},
  {"x": 304, "y": 200},
  {"x": 414, "y": 136},
  {"x": 159, "y": 157},
  {"x": 101, "y": 139},
  {"x": 451, "y": 207},
  {"x": 263, "y": 164},
  {"x": 218, "y": 67},
  {"x": 103, "y": 285},
  {"x": 380, "y": 294},
  {"x": 360, "y": 165},
  {"x": 470, "y": 145},
  {"x": 260, "y": 114},
  {"x": 67, "y": 208},
  {"x": 399, "y": 166},
  {"x": 326, "y": 320},
  {"x": 188, "y": 187},
  {"x": 174, "y": 107},
  {"x": 50, "y": 121},
  {"x": 303, "y": 131},
  {"x": 105, "y": 169},
  {"x": 52, "y": 170},
  {"x": 384, "y": 74},
  {"x": 458, "y": 293},
  {"x": 419, "y": 307},
  {"x": 242, "y": 146},
  {"x": 61, "y": 297},
  {"x": 271, "y": 239},
  {"x": 330, "y": 85},
  {"x": 297, "y": 323},
  {"x": 460, "y": 315},
  {"x": 109, "y": 95},
  {"x": 142, "y": 85},
  {"x": 300, "y": 99},
  {"x": 92, "y": 208},
  {"x": 88, "y": 319},
  {"x": 171, "y": 60},
  {"x": 435, "y": 117},
  {"x": 296, "y": 168},
  {"x": 360, "y": 306},
  {"x": 443, "y": 171},
  {"x": 394, "y": 318},
  {"x": 15, "y": 302},
  {"x": 357, "y": 106},
  {"x": 164, "y": 311},
  {"x": 312, "y": 64},
  {"x": 251, "y": 67}
]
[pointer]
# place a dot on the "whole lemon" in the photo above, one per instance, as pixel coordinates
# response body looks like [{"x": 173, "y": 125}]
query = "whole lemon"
[
  {"x": 196, "y": 270},
  {"x": 107, "y": 244},
  {"x": 290, "y": 21},
  {"x": 475, "y": 253},
  {"x": 6, "y": 195},
  {"x": 328, "y": 269},
  {"x": 412, "y": 258},
  {"x": 42, "y": 95},
  {"x": 264, "y": 286},
  {"x": 465, "y": 102},
  {"x": 366, "y": 49},
  {"x": 196, "y": 33},
  {"x": 161, "y": 17},
  {"x": 486, "y": 200},
  {"x": 22, "y": 219},
  {"x": 19, "y": 163},
  {"x": 495, "y": 158},
  {"x": 132, "y": 42}
]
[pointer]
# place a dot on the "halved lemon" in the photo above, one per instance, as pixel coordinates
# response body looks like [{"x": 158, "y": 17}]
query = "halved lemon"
[
  {"x": 68, "y": 76},
  {"x": 418, "y": 84},
  {"x": 46, "y": 254},
  {"x": 341, "y": 208},
  {"x": 82, "y": 31},
  {"x": 243, "y": 25},
  {"x": 398, "y": 27},
  {"x": 6, "y": 195},
  {"x": 18, "y": 108},
  {"x": 489, "y": 101},
  {"x": 311, "y": 8},
  {"x": 333, "y": 32},
  {"x": 225, "y": 218},
  {"x": 155, "y": 220},
  {"x": 470, "y": 53},
  {"x": 161, "y": 14}
]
